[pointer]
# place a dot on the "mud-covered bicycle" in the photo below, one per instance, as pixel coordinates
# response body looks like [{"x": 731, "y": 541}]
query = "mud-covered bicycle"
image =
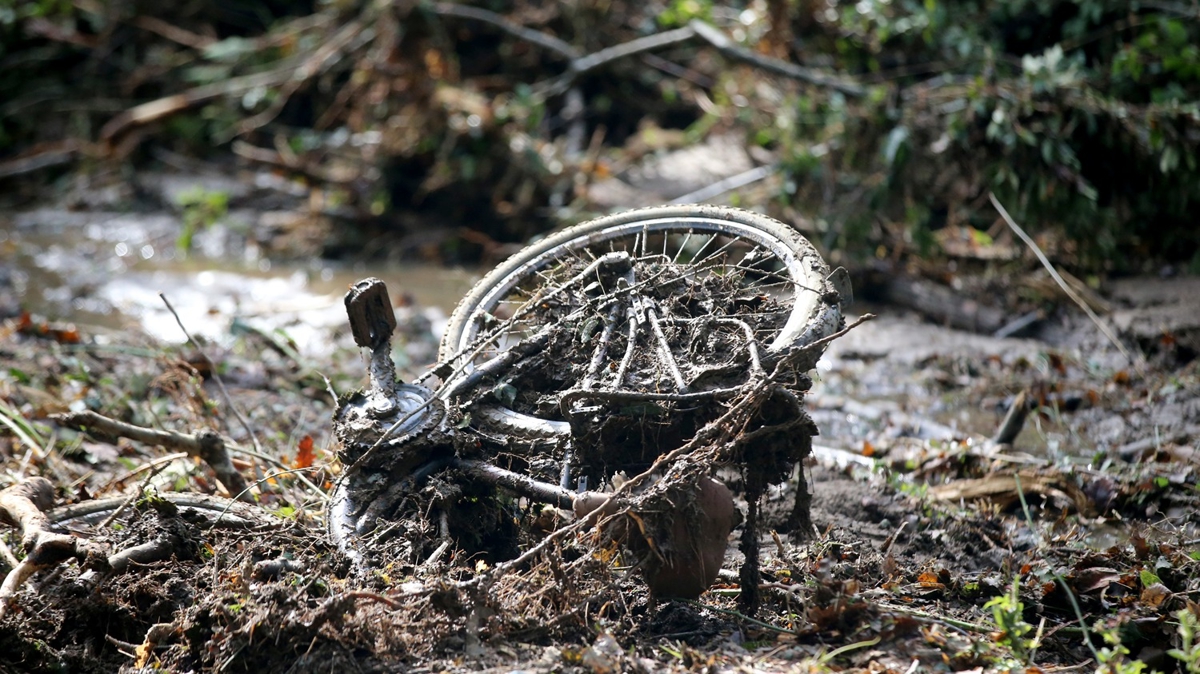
[{"x": 582, "y": 359}]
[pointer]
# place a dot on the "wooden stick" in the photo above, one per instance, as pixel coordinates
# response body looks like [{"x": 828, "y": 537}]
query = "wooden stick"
[
  {"x": 22, "y": 505},
  {"x": 206, "y": 445}
]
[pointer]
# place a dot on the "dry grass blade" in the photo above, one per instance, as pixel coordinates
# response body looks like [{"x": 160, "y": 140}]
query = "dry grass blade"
[
  {"x": 21, "y": 428},
  {"x": 1108, "y": 333},
  {"x": 216, "y": 377}
]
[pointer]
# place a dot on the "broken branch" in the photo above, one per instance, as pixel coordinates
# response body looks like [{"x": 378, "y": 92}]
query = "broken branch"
[
  {"x": 536, "y": 37},
  {"x": 1063, "y": 284},
  {"x": 22, "y": 506},
  {"x": 206, "y": 445},
  {"x": 723, "y": 44},
  {"x": 581, "y": 64}
]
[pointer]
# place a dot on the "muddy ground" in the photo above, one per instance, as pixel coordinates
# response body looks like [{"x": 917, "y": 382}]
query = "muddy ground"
[
  {"x": 921, "y": 527},
  {"x": 943, "y": 538}
]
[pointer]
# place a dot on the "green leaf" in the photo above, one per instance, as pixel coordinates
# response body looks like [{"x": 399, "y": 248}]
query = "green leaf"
[
  {"x": 1169, "y": 159},
  {"x": 505, "y": 393},
  {"x": 981, "y": 238},
  {"x": 895, "y": 144},
  {"x": 1149, "y": 578},
  {"x": 230, "y": 49}
]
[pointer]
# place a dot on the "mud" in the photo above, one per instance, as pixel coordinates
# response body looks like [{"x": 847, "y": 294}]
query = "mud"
[{"x": 1094, "y": 502}]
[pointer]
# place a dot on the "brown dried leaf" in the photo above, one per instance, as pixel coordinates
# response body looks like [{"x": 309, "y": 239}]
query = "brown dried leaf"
[
  {"x": 304, "y": 453},
  {"x": 1155, "y": 595},
  {"x": 1095, "y": 578}
]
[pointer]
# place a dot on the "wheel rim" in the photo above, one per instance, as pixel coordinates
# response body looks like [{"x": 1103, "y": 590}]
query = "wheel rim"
[
  {"x": 808, "y": 293},
  {"x": 809, "y": 317}
]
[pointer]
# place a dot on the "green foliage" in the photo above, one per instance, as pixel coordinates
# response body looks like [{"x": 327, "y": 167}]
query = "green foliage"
[
  {"x": 1114, "y": 658},
  {"x": 1008, "y": 613},
  {"x": 1082, "y": 116},
  {"x": 1188, "y": 654},
  {"x": 679, "y": 12},
  {"x": 14, "y": 11},
  {"x": 201, "y": 209}
]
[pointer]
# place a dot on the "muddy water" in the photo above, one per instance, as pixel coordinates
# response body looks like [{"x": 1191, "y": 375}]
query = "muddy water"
[
  {"x": 897, "y": 384},
  {"x": 104, "y": 272}
]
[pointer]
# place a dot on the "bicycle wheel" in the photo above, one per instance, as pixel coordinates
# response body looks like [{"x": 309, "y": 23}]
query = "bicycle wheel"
[{"x": 675, "y": 301}]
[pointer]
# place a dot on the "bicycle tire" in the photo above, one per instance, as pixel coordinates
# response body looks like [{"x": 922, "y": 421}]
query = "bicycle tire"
[{"x": 815, "y": 313}]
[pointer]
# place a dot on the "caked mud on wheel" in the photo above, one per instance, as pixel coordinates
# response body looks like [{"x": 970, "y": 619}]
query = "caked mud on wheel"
[{"x": 594, "y": 355}]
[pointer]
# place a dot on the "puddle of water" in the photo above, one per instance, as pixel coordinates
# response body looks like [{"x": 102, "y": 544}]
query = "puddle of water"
[
  {"x": 105, "y": 272},
  {"x": 887, "y": 374}
]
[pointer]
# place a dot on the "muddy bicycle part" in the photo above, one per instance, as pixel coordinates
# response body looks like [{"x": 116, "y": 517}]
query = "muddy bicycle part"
[
  {"x": 814, "y": 297},
  {"x": 372, "y": 322},
  {"x": 462, "y": 377},
  {"x": 380, "y": 427},
  {"x": 403, "y": 422},
  {"x": 386, "y": 409},
  {"x": 403, "y": 426},
  {"x": 663, "y": 299}
]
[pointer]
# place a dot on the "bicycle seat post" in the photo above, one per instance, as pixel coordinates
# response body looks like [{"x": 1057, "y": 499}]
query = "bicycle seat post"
[{"x": 372, "y": 322}]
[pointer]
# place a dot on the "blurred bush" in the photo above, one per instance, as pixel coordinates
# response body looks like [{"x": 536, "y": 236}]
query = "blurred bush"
[{"x": 1082, "y": 115}]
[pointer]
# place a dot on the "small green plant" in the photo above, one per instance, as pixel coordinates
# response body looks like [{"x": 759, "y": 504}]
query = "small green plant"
[
  {"x": 1189, "y": 651},
  {"x": 1008, "y": 614},
  {"x": 679, "y": 12},
  {"x": 1114, "y": 658},
  {"x": 201, "y": 208},
  {"x": 13, "y": 12}
]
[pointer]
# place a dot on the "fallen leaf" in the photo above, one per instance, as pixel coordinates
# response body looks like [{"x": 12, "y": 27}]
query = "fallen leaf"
[
  {"x": 1096, "y": 578},
  {"x": 889, "y": 565},
  {"x": 1148, "y": 578},
  {"x": 143, "y": 653},
  {"x": 1141, "y": 549},
  {"x": 304, "y": 453},
  {"x": 1155, "y": 595}
]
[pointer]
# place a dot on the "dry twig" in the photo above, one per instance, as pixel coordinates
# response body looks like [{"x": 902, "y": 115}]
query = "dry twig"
[
  {"x": 22, "y": 506},
  {"x": 206, "y": 445},
  {"x": 216, "y": 377}
]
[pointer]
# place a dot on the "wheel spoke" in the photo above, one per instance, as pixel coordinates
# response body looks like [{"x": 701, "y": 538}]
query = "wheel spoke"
[
  {"x": 682, "y": 245},
  {"x": 715, "y": 253},
  {"x": 705, "y": 305}
]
